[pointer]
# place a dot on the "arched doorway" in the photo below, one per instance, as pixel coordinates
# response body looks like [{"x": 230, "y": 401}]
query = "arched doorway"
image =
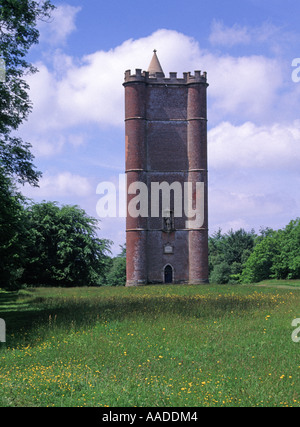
[{"x": 168, "y": 273}]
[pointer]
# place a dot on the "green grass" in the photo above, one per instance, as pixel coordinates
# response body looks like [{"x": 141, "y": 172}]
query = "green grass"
[{"x": 157, "y": 346}]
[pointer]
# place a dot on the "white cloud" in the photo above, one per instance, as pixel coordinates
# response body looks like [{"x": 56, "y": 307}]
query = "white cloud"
[
  {"x": 243, "y": 88},
  {"x": 254, "y": 175},
  {"x": 266, "y": 34},
  {"x": 249, "y": 203},
  {"x": 90, "y": 90},
  {"x": 61, "y": 24},
  {"x": 258, "y": 147},
  {"x": 229, "y": 36},
  {"x": 64, "y": 184},
  {"x": 254, "y": 207}
]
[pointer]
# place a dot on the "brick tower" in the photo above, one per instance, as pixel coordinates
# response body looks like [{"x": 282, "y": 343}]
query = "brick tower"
[{"x": 166, "y": 148}]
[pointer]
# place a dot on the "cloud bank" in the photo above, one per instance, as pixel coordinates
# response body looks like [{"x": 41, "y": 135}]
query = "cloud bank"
[{"x": 89, "y": 90}]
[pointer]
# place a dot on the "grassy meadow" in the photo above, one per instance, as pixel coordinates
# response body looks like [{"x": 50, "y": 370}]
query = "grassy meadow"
[{"x": 155, "y": 346}]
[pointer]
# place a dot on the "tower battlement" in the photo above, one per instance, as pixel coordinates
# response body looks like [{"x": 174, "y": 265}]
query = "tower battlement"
[{"x": 159, "y": 77}]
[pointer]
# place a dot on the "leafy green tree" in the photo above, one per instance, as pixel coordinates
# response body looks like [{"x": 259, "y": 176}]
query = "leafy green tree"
[
  {"x": 221, "y": 273},
  {"x": 117, "y": 273},
  {"x": 258, "y": 266},
  {"x": 215, "y": 249},
  {"x": 286, "y": 262},
  {"x": 63, "y": 248},
  {"x": 228, "y": 253},
  {"x": 277, "y": 256},
  {"x": 18, "y": 32},
  {"x": 238, "y": 245},
  {"x": 11, "y": 234}
]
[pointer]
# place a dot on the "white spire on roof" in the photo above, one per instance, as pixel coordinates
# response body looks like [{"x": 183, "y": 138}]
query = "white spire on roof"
[{"x": 155, "y": 66}]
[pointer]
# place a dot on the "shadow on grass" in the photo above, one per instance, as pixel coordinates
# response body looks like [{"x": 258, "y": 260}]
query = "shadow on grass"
[
  {"x": 17, "y": 312},
  {"x": 7, "y": 299},
  {"x": 26, "y": 315}
]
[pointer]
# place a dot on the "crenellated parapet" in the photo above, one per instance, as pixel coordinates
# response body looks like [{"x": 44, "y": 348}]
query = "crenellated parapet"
[{"x": 159, "y": 78}]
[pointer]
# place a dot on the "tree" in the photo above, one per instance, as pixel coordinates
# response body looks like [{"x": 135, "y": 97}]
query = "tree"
[
  {"x": 18, "y": 32},
  {"x": 228, "y": 253},
  {"x": 277, "y": 256},
  {"x": 117, "y": 273},
  {"x": 221, "y": 273},
  {"x": 215, "y": 250},
  {"x": 237, "y": 246},
  {"x": 258, "y": 266},
  {"x": 286, "y": 262},
  {"x": 62, "y": 247},
  {"x": 11, "y": 234}
]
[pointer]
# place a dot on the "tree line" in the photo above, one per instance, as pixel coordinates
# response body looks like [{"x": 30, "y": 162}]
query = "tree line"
[
  {"x": 245, "y": 257},
  {"x": 45, "y": 244}
]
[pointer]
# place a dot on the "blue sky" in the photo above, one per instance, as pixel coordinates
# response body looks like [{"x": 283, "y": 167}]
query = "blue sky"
[{"x": 246, "y": 46}]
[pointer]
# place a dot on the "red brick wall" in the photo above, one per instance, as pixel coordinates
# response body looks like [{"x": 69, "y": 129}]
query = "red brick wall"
[{"x": 166, "y": 140}]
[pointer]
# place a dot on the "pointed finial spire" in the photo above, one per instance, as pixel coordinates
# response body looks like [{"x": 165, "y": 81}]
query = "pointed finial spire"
[{"x": 155, "y": 66}]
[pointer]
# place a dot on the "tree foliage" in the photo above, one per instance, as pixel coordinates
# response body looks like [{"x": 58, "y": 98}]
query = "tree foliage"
[
  {"x": 11, "y": 234},
  {"x": 277, "y": 256},
  {"x": 117, "y": 274},
  {"x": 18, "y": 32},
  {"x": 228, "y": 253},
  {"x": 259, "y": 265},
  {"x": 62, "y": 247}
]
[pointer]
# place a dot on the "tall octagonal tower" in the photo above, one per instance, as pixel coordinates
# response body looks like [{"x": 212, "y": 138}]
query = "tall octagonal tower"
[{"x": 166, "y": 159}]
